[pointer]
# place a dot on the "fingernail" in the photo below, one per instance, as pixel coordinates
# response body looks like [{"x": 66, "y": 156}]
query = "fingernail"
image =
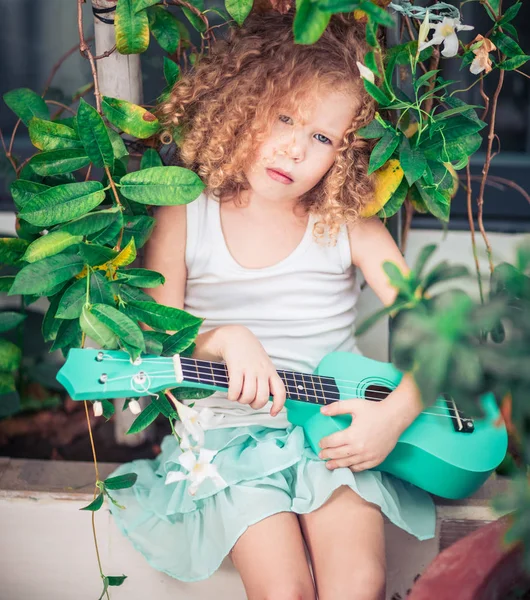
[{"x": 324, "y": 409}]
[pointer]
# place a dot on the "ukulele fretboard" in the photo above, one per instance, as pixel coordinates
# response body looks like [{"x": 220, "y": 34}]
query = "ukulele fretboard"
[{"x": 305, "y": 387}]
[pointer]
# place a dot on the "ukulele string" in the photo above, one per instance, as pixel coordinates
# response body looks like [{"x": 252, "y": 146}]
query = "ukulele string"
[{"x": 133, "y": 379}]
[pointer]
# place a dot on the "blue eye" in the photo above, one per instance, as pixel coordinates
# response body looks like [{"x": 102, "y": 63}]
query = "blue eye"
[{"x": 328, "y": 140}]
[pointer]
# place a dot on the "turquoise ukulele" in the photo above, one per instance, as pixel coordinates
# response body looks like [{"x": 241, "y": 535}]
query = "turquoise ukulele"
[{"x": 442, "y": 451}]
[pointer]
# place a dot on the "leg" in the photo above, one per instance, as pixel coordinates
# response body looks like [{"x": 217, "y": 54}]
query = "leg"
[
  {"x": 345, "y": 538},
  {"x": 270, "y": 557}
]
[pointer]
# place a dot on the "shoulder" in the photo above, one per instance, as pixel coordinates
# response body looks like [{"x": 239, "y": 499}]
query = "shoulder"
[{"x": 368, "y": 235}]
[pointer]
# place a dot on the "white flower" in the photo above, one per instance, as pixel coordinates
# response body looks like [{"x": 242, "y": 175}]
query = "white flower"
[
  {"x": 97, "y": 407},
  {"x": 134, "y": 407},
  {"x": 365, "y": 72},
  {"x": 198, "y": 470},
  {"x": 194, "y": 421},
  {"x": 445, "y": 32},
  {"x": 424, "y": 31}
]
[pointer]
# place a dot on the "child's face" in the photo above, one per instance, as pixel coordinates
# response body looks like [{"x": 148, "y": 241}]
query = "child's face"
[{"x": 305, "y": 150}]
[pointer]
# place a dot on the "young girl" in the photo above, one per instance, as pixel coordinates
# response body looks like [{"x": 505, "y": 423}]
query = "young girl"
[{"x": 268, "y": 256}]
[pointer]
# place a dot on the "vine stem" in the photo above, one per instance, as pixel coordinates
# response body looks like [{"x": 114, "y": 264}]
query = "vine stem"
[
  {"x": 469, "y": 192},
  {"x": 84, "y": 48},
  {"x": 485, "y": 170}
]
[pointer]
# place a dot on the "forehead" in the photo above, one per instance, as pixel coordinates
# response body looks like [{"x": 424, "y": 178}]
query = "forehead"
[{"x": 329, "y": 109}]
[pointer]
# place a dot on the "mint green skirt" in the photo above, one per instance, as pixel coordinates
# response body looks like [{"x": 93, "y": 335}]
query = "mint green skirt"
[{"x": 266, "y": 471}]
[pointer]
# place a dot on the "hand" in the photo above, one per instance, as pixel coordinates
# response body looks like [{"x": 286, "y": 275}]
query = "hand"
[
  {"x": 369, "y": 439},
  {"x": 252, "y": 378}
]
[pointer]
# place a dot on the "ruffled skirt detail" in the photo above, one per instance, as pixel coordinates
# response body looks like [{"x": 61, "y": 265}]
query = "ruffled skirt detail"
[{"x": 266, "y": 471}]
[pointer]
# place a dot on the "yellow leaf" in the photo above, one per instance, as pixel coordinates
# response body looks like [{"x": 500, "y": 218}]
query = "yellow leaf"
[
  {"x": 454, "y": 175},
  {"x": 126, "y": 256},
  {"x": 387, "y": 180},
  {"x": 359, "y": 14}
]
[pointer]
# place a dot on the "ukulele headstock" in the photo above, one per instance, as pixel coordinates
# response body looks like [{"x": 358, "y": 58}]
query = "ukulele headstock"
[{"x": 91, "y": 374}]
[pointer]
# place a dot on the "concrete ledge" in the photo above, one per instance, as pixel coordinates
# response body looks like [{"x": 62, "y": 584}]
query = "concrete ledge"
[{"x": 48, "y": 549}]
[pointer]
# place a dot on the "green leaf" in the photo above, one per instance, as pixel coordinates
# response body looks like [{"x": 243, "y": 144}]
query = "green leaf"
[
  {"x": 435, "y": 201},
  {"x": 68, "y": 336},
  {"x": 383, "y": 150},
  {"x": 120, "y": 324},
  {"x": 378, "y": 15},
  {"x": 121, "y": 482},
  {"x": 10, "y": 319},
  {"x": 143, "y": 4},
  {"x": 197, "y": 23},
  {"x": 118, "y": 145},
  {"x": 129, "y": 117},
  {"x": 181, "y": 340},
  {"x": 425, "y": 253},
  {"x": 143, "y": 278},
  {"x": 97, "y": 330},
  {"x": 506, "y": 44},
  {"x": 457, "y": 110},
  {"x": 395, "y": 202},
  {"x": 63, "y": 203},
  {"x": 145, "y": 418},
  {"x": 110, "y": 234},
  {"x": 514, "y": 63},
  {"x": 186, "y": 393},
  {"x": 163, "y": 26},
  {"x": 511, "y": 13},
  {"x": 152, "y": 344},
  {"x": 377, "y": 93},
  {"x": 57, "y": 162},
  {"x": 50, "y": 244},
  {"x": 96, "y": 255},
  {"x": 26, "y": 104},
  {"x": 23, "y": 190},
  {"x": 371, "y": 34},
  {"x": 309, "y": 22},
  {"x": 373, "y": 130},
  {"x": 116, "y": 581},
  {"x": 10, "y": 356},
  {"x": 239, "y": 9},
  {"x": 138, "y": 227},
  {"x": 443, "y": 272},
  {"x": 161, "y": 317},
  {"x": 132, "y": 29},
  {"x": 151, "y": 158},
  {"x": 171, "y": 71},
  {"x": 412, "y": 161},
  {"x": 101, "y": 289},
  {"x": 50, "y": 324},
  {"x": 96, "y": 504},
  {"x": 93, "y": 222},
  {"x": 164, "y": 407},
  {"x": 49, "y": 135},
  {"x": 44, "y": 275},
  {"x": 129, "y": 294},
  {"x": 12, "y": 250},
  {"x": 94, "y": 135},
  {"x": 72, "y": 301},
  {"x": 162, "y": 186}
]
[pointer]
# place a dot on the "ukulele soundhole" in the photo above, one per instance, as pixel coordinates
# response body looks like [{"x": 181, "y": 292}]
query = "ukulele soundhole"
[{"x": 376, "y": 393}]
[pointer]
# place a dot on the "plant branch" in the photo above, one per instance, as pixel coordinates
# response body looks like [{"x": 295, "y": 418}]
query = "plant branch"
[
  {"x": 58, "y": 64},
  {"x": 63, "y": 106},
  {"x": 85, "y": 51},
  {"x": 469, "y": 192}
]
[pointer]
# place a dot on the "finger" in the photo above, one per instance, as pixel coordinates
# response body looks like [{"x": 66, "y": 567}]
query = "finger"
[
  {"x": 262, "y": 393},
  {"x": 337, "y": 452},
  {"x": 364, "y": 466},
  {"x": 248, "y": 394},
  {"x": 340, "y": 407},
  {"x": 339, "y": 438},
  {"x": 278, "y": 393},
  {"x": 235, "y": 384}
]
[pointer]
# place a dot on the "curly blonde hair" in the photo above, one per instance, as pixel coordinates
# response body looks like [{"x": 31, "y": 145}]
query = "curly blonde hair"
[{"x": 226, "y": 106}]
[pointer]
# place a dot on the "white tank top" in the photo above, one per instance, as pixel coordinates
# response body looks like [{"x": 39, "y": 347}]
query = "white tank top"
[{"x": 300, "y": 309}]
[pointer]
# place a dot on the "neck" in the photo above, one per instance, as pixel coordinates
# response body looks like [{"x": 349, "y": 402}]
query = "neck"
[{"x": 304, "y": 387}]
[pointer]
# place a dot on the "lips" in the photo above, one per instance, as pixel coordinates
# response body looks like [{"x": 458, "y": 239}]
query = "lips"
[{"x": 279, "y": 175}]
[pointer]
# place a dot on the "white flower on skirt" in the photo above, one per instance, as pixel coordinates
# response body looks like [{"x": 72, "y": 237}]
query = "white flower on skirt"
[
  {"x": 198, "y": 470},
  {"x": 445, "y": 32},
  {"x": 193, "y": 422}
]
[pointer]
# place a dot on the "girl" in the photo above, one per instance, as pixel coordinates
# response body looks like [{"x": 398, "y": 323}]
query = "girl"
[{"x": 268, "y": 256}]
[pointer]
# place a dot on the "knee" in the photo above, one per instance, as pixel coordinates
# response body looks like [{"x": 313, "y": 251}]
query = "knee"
[{"x": 291, "y": 592}]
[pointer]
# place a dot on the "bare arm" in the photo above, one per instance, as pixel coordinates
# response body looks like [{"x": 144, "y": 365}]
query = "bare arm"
[
  {"x": 371, "y": 245},
  {"x": 165, "y": 252}
]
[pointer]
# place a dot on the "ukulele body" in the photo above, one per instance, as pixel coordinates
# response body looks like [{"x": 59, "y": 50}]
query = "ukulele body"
[{"x": 430, "y": 453}]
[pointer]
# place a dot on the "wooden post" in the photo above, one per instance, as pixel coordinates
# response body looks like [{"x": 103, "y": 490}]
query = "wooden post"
[{"x": 119, "y": 76}]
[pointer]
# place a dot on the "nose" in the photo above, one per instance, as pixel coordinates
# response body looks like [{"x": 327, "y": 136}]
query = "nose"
[{"x": 295, "y": 146}]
